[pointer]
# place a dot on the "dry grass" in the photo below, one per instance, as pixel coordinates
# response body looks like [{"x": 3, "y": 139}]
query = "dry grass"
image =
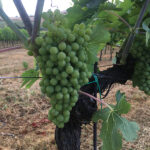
[{"x": 23, "y": 113}]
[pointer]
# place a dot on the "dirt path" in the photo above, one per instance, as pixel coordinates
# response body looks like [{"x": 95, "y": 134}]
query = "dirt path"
[{"x": 23, "y": 113}]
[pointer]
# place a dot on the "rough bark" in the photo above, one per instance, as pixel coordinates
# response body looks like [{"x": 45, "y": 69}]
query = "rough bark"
[{"x": 68, "y": 138}]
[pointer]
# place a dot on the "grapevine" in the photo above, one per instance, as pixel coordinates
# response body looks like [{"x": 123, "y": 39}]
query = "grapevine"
[{"x": 65, "y": 54}]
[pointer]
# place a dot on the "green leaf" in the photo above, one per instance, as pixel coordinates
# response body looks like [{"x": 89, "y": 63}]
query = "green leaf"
[
  {"x": 128, "y": 129},
  {"x": 92, "y": 53},
  {"x": 100, "y": 35},
  {"x": 73, "y": 17},
  {"x": 112, "y": 140},
  {"x": 101, "y": 114},
  {"x": 147, "y": 37},
  {"x": 114, "y": 128},
  {"x": 28, "y": 82},
  {"x": 108, "y": 6},
  {"x": 122, "y": 107},
  {"x": 92, "y": 56},
  {"x": 145, "y": 26},
  {"x": 96, "y": 44},
  {"x": 118, "y": 96},
  {"x": 117, "y": 139},
  {"x": 125, "y": 6},
  {"x": 90, "y": 67}
]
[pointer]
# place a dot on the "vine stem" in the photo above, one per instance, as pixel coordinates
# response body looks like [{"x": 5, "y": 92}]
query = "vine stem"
[
  {"x": 97, "y": 99},
  {"x": 24, "y": 16},
  {"x": 37, "y": 19}
]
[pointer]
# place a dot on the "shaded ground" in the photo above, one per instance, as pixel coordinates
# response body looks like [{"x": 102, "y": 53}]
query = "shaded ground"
[{"x": 23, "y": 113}]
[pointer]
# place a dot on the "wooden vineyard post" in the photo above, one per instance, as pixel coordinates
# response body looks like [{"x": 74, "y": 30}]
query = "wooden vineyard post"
[{"x": 95, "y": 124}]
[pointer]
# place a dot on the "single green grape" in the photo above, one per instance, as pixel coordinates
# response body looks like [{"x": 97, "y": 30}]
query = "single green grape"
[
  {"x": 59, "y": 95},
  {"x": 49, "y": 63},
  {"x": 58, "y": 88},
  {"x": 64, "y": 82},
  {"x": 86, "y": 37},
  {"x": 61, "y": 63},
  {"x": 53, "y": 81},
  {"x": 66, "y": 113},
  {"x": 50, "y": 89},
  {"x": 43, "y": 89},
  {"x": 62, "y": 46},
  {"x": 89, "y": 31},
  {"x": 75, "y": 46},
  {"x": 60, "y": 118},
  {"x": 71, "y": 38},
  {"x": 66, "y": 97},
  {"x": 61, "y": 55},
  {"x": 61, "y": 125},
  {"x": 58, "y": 107},
  {"x": 54, "y": 112},
  {"x": 64, "y": 75},
  {"x": 64, "y": 90},
  {"x": 69, "y": 69},
  {"x": 80, "y": 40},
  {"x": 53, "y": 50},
  {"x": 55, "y": 71},
  {"x": 75, "y": 74},
  {"x": 48, "y": 71},
  {"x": 46, "y": 82},
  {"x": 42, "y": 51}
]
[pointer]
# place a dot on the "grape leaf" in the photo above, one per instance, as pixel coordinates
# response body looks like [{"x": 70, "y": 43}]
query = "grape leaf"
[
  {"x": 118, "y": 96},
  {"x": 125, "y": 6},
  {"x": 90, "y": 67},
  {"x": 128, "y": 128},
  {"x": 96, "y": 44},
  {"x": 112, "y": 140},
  {"x": 100, "y": 114},
  {"x": 115, "y": 127},
  {"x": 145, "y": 25},
  {"x": 122, "y": 107},
  {"x": 100, "y": 34},
  {"x": 85, "y": 8},
  {"x": 73, "y": 17},
  {"x": 108, "y": 6},
  {"x": 28, "y": 82},
  {"x": 92, "y": 56}
]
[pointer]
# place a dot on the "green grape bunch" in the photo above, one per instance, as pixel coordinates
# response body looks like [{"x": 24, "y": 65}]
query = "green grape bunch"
[
  {"x": 62, "y": 61},
  {"x": 141, "y": 53}
]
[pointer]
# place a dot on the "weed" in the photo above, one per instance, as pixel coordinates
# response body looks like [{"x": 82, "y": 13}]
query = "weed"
[{"x": 25, "y": 65}]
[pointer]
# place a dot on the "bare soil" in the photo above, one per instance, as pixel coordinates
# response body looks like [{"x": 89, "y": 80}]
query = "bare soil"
[{"x": 23, "y": 112}]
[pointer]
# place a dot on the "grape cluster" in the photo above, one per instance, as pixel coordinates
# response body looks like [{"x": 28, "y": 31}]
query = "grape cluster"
[
  {"x": 141, "y": 53},
  {"x": 62, "y": 60}
]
